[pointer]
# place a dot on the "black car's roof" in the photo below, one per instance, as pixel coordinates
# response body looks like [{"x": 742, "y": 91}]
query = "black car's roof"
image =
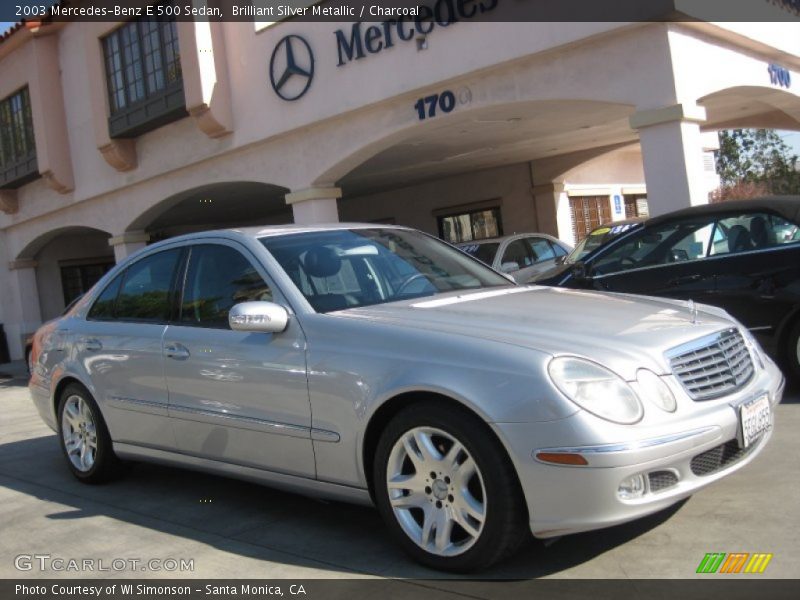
[{"x": 786, "y": 206}]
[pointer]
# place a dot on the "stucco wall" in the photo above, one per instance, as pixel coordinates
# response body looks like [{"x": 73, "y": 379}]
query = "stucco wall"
[{"x": 414, "y": 205}]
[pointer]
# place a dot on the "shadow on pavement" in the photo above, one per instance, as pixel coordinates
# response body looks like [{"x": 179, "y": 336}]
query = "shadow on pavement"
[{"x": 257, "y": 522}]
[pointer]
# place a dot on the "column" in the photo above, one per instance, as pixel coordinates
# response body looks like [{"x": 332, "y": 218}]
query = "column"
[
  {"x": 546, "y": 198},
  {"x": 128, "y": 243},
  {"x": 672, "y": 154},
  {"x": 315, "y": 205},
  {"x": 29, "y": 316}
]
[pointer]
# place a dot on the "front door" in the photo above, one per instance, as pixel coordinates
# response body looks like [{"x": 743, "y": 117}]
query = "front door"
[{"x": 236, "y": 397}]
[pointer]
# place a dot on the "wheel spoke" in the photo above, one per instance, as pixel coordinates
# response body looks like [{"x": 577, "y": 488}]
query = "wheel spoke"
[
  {"x": 405, "y": 482},
  {"x": 427, "y": 527},
  {"x": 425, "y": 444},
  {"x": 471, "y": 506},
  {"x": 72, "y": 443},
  {"x": 444, "y": 529},
  {"x": 451, "y": 459},
  {"x": 413, "y": 500}
]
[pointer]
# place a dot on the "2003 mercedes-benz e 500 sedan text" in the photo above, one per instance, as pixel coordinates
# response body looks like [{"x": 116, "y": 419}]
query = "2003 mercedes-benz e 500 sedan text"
[{"x": 379, "y": 364}]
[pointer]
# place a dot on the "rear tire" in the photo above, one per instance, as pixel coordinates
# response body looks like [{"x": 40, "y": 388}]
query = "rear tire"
[
  {"x": 447, "y": 490},
  {"x": 84, "y": 437}
]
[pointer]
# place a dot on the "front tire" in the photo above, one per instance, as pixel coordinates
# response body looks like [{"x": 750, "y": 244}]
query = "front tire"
[
  {"x": 446, "y": 489},
  {"x": 84, "y": 437}
]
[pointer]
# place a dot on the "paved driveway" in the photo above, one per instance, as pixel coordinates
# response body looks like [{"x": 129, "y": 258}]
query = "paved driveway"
[{"x": 236, "y": 529}]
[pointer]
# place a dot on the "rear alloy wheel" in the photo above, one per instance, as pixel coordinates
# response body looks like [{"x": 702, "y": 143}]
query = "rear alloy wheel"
[
  {"x": 84, "y": 437},
  {"x": 446, "y": 489}
]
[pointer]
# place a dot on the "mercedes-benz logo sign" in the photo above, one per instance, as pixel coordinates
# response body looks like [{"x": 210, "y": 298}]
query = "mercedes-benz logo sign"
[{"x": 291, "y": 67}]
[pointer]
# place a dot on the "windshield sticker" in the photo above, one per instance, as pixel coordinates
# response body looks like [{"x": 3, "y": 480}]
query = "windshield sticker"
[{"x": 602, "y": 231}]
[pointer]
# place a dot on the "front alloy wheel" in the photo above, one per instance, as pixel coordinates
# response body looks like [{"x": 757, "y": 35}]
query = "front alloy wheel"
[
  {"x": 436, "y": 491},
  {"x": 446, "y": 488}
]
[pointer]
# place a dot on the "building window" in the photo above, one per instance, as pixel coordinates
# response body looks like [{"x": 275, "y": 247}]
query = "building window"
[
  {"x": 588, "y": 213},
  {"x": 467, "y": 226},
  {"x": 17, "y": 146},
  {"x": 76, "y": 280},
  {"x": 636, "y": 206},
  {"x": 143, "y": 71}
]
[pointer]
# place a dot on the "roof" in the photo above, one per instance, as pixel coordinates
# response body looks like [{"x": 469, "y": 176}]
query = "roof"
[
  {"x": 786, "y": 206},
  {"x": 11, "y": 30}
]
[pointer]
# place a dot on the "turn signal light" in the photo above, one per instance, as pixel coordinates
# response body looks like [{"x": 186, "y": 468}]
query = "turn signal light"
[{"x": 560, "y": 458}]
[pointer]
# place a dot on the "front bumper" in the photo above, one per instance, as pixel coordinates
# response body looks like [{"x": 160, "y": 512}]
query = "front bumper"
[{"x": 565, "y": 499}]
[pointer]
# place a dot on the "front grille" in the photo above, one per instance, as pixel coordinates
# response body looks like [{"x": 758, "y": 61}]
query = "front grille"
[
  {"x": 714, "y": 366},
  {"x": 719, "y": 457},
  {"x": 661, "y": 480}
]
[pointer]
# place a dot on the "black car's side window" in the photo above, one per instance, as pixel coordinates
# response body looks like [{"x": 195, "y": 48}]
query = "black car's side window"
[
  {"x": 657, "y": 246},
  {"x": 217, "y": 278},
  {"x": 145, "y": 294},
  {"x": 753, "y": 231}
]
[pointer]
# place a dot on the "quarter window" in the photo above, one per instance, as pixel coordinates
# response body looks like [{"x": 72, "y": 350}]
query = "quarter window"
[
  {"x": 541, "y": 248},
  {"x": 218, "y": 277},
  {"x": 518, "y": 252},
  {"x": 103, "y": 307}
]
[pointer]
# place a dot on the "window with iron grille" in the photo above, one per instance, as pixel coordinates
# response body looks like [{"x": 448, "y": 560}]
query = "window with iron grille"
[
  {"x": 17, "y": 146},
  {"x": 143, "y": 71}
]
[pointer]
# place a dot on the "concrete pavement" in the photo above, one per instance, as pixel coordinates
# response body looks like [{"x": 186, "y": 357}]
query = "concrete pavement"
[{"x": 234, "y": 529}]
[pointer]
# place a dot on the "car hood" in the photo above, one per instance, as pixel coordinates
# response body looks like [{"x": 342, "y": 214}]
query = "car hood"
[{"x": 622, "y": 331}]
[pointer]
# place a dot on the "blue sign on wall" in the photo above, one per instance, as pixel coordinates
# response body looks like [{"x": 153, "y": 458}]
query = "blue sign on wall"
[{"x": 617, "y": 204}]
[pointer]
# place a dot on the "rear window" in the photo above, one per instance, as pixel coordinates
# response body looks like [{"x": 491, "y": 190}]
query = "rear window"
[{"x": 483, "y": 252}]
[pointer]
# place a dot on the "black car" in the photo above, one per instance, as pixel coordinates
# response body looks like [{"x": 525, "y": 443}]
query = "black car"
[{"x": 743, "y": 256}]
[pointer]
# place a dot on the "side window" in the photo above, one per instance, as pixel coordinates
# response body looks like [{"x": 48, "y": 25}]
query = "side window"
[
  {"x": 519, "y": 253},
  {"x": 541, "y": 248},
  {"x": 663, "y": 245},
  {"x": 742, "y": 233},
  {"x": 145, "y": 293},
  {"x": 218, "y": 277},
  {"x": 103, "y": 307},
  {"x": 558, "y": 250}
]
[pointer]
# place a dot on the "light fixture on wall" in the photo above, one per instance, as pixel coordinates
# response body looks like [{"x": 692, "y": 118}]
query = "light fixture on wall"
[{"x": 422, "y": 42}]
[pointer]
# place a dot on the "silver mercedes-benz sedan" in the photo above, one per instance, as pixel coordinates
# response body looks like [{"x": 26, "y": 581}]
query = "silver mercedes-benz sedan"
[{"x": 380, "y": 365}]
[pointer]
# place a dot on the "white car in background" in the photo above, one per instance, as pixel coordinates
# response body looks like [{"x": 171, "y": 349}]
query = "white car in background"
[{"x": 522, "y": 255}]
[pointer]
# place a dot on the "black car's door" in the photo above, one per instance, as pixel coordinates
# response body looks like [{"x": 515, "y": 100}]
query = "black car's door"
[
  {"x": 670, "y": 259},
  {"x": 758, "y": 269}
]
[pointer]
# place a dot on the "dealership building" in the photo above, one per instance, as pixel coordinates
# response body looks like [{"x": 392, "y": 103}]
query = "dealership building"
[{"x": 114, "y": 135}]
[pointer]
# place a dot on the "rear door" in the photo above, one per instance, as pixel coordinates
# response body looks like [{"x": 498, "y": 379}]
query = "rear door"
[
  {"x": 119, "y": 345},
  {"x": 234, "y": 396},
  {"x": 758, "y": 269}
]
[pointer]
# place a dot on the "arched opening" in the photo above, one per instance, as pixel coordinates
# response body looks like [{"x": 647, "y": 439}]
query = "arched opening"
[
  {"x": 472, "y": 173},
  {"x": 68, "y": 262},
  {"x": 751, "y": 107},
  {"x": 214, "y": 206}
]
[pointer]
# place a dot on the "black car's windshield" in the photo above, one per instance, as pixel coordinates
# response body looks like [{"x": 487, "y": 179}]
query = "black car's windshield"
[
  {"x": 484, "y": 252},
  {"x": 349, "y": 268},
  {"x": 595, "y": 239}
]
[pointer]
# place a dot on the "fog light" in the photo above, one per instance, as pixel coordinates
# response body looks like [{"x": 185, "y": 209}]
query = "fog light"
[{"x": 631, "y": 488}]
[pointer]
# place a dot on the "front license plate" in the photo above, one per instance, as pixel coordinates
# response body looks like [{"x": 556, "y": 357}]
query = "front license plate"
[{"x": 755, "y": 419}]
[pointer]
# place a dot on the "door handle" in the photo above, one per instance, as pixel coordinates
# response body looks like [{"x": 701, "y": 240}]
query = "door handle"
[
  {"x": 91, "y": 344},
  {"x": 176, "y": 351}
]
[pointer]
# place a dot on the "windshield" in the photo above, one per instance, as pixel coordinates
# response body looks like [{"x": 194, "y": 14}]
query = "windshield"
[
  {"x": 595, "y": 239},
  {"x": 347, "y": 268},
  {"x": 483, "y": 252}
]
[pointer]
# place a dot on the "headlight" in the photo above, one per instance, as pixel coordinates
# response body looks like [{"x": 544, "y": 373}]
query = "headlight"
[
  {"x": 652, "y": 387},
  {"x": 596, "y": 389}
]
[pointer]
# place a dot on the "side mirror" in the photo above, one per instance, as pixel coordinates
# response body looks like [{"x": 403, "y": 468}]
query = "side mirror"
[
  {"x": 580, "y": 271},
  {"x": 265, "y": 317},
  {"x": 509, "y": 267}
]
